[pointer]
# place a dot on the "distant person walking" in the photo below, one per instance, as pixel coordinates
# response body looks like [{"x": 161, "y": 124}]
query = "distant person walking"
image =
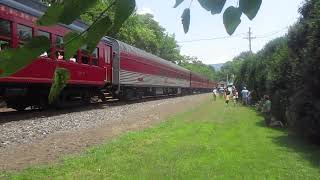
[
  {"x": 244, "y": 94},
  {"x": 215, "y": 93},
  {"x": 235, "y": 97},
  {"x": 227, "y": 95}
]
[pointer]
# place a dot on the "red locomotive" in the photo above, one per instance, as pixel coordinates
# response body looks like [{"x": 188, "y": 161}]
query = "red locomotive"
[{"x": 114, "y": 67}]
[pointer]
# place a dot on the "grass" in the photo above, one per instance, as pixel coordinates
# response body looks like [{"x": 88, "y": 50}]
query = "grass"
[{"x": 208, "y": 142}]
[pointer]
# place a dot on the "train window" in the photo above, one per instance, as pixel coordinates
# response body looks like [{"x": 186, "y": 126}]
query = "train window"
[
  {"x": 4, "y": 45},
  {"x": 5, "y": 28},
  {"x": 95, "y": 62},
  {"x": 59, "y": 42},
  {"x": 85, "y": 60},
  {"x": 45, "y": 34},
  {"x": 95, "y": 57},
  {"x": 107, "y": 55},
  {"x": 24, "y": 32},
  {"x": 84, "y": 49},
  {"x": 60, "y": 55},
  {"x": 95, "y": 53},
  {"x": 74, "y": 58}
]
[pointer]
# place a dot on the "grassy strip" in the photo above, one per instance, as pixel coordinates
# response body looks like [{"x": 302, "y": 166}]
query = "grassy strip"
[{"x": 208, "y": 142}]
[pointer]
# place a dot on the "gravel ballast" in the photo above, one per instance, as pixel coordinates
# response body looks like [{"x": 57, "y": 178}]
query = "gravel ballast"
[
  {"x": 41, "y": 124},
  {"x": 36, "y": 138}
]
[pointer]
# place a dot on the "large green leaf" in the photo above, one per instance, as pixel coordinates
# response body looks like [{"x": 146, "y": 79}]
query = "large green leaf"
[
  {"x": 52, "y": 15},
  {"x": 250, "y": 7},
  {"x": 178, "y": 2},
  {"x": 215, "y": 6},
  {"x": 13, "y": 60},
  {"x": 74, "y": 8},
  {"x": 65, "y": 12},
  {"x": 61, "y": 77},
  {"x": 97, "y": 31},
  {"x": 231, "y": 19},
  {"x": 186, "y": 20},
  {"x": 73, "y": 42},
  {"x": 124, "y": 8}
]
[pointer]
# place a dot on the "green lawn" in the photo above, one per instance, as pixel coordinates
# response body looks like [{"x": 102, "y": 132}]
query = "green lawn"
[{"x": 208, "y": 142}]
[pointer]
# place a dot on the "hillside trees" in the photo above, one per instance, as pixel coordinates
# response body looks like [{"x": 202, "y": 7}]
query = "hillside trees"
[{"x": 197, "y": 66}]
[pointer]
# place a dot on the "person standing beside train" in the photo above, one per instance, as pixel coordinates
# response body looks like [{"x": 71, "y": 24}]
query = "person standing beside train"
[
  {"x": 227, "y": 95},
  {"x": 244, "y": 94},
  {"x": 215, "y": 93}
]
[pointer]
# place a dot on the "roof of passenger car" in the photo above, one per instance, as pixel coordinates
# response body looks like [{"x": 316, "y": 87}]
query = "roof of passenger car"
[{"x": 124, "y": 47}]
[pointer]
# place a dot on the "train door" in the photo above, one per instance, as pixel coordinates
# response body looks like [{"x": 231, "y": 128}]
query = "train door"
[
  {"x": 116, "y": 64},
  {"x": 108, "y": 62}
]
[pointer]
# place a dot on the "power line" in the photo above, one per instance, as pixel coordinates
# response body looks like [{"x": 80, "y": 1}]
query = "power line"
[
  {"x": 272, "y": 33},
  {"x": 265, "y": 35},
  {"x": 210, "y": 39}
]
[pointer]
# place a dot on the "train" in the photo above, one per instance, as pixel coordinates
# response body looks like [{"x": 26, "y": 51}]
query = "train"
[{"x": 114, "y": 68}]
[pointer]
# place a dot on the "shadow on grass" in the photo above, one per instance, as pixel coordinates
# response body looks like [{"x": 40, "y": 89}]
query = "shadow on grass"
[
  {"x": 307, "y": 150},
  {"x": 294, "y": 143}
]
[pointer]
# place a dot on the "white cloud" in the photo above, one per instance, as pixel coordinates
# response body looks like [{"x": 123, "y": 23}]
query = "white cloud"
[{"x": 145, "y": 10}]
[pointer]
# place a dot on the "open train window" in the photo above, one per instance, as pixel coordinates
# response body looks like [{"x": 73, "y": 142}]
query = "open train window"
[
  {"x": 47, "y": 35},
  {"x": 95, "y": 57},
  {"x": 59, "y": 42},
  {"x": 4, "y": 44},
  {"x": 60, "y": 55},
  {"x": 44, "y": 33},
  {"x": 5, "y": 34},
  {"x": 85, "y": 59},
  {"x": 108, "y": 55},
  {"x": 74, "y": 58},
  {"x": 5, "y": 28},
  {"x": 24, "y": 32},
  {"x": 59, "y": 47},
  {"x": 84, "y": 55}
]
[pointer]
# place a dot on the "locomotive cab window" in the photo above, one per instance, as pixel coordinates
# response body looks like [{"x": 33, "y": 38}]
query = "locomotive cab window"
[
  {"x": 24, "y": 32},
  {"x": 95, "y": 57},
  {"x": 84, "y": 55},
  {"x": 85, "y": 59}
]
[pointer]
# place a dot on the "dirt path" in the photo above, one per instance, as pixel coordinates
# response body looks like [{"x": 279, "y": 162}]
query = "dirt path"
[{"x": 52, "y": 148}]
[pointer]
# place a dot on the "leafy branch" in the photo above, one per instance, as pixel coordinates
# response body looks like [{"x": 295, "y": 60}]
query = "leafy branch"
[
  {"x": 92, "y": 25},
  {"x": 231, "y": 16}
]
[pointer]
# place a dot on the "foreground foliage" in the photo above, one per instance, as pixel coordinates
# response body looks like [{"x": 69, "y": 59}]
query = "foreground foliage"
[{"x": 209, "y": 142}]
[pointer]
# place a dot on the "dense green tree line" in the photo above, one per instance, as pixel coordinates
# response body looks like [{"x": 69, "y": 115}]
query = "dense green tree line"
[{"x": 287, "y": 69}]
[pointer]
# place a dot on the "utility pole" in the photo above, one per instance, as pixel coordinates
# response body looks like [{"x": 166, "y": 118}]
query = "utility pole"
[{"x": 250, "y": 39}]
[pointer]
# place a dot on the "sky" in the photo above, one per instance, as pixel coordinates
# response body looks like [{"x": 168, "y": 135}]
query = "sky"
[{"x": 272, "y": 21}]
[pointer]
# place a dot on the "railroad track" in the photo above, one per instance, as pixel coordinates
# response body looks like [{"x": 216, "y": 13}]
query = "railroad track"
[{"x": 9, "y": 115}]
